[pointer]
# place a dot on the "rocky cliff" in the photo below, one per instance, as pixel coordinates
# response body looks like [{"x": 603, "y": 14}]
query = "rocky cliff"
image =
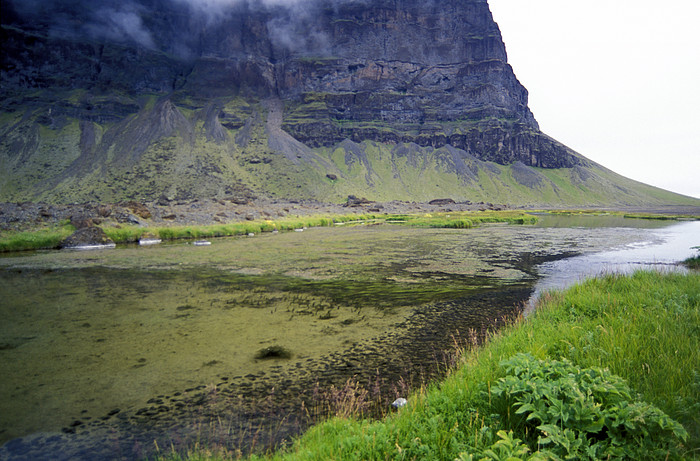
[{"x": 396, "y": 99}]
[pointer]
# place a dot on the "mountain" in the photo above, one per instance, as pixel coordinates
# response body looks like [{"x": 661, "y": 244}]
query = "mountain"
[{"x": 297, "y": 99}]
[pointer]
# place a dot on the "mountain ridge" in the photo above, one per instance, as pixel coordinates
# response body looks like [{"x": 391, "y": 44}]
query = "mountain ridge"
[{"x": 402, "y": 100}]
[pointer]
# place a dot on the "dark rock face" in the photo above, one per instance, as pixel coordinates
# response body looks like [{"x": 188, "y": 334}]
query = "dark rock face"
[{"x": 427, "y": 73}]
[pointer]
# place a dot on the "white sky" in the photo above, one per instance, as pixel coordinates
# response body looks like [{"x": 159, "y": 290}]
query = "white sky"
[{"x": 616, "y": 80}]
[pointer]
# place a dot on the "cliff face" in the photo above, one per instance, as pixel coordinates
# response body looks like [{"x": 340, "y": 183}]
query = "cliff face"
[{"x": 147, "y": 98}]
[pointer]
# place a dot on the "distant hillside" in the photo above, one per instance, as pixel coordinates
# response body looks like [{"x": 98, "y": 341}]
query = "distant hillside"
[{"x": 161, "y": 99}]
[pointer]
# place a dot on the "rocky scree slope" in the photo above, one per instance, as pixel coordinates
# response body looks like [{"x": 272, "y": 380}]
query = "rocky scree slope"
[{"x": 163, "y": 99}]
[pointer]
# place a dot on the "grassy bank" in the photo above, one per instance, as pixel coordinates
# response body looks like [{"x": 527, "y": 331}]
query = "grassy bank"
[
  {"x": 132, "y": 233},
  {"x": 693, "y": 263},
  {"x": 51, "y": 238},
  {"x": 597, "y": 371},
  {"x": 461, "y": 220}
]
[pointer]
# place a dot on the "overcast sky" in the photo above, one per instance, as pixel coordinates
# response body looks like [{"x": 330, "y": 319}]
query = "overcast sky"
[{"x": 616, "y": 80}]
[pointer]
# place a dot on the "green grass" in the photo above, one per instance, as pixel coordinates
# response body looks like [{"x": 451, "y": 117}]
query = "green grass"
[
  {"x": 641, "y": 331},
  {"x": 51, "y": 238},
  {"x": 255, "y": 227},
  {"x": 651, "y": 216},
  {"x": 461, "y": 220},
  {"x": 34, "y": 240}
]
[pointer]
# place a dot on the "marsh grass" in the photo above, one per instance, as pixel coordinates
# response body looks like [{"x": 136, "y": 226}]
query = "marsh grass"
[
  {"x": 461, "y": 220},
  {"x": 355, "y": 398},
  {"x": 35, "y": 240},
  {"x": 693, "y": 263},
  {"x": 51, "y": 238},
  {"x": 256, "y": 227},
  {"x": 650, "y": 216}
]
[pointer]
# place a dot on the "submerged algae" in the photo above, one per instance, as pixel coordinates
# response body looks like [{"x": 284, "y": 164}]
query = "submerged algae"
[{"x": 89, "y": 332}]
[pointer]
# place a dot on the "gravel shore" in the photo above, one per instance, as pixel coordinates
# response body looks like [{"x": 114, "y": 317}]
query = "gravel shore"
[{"x": 28, "y": 215}]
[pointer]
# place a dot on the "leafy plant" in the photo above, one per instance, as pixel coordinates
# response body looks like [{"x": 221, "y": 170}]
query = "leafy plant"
[
  {"x": 574, "y": 413},
  {"x": 508, "y": 448}
]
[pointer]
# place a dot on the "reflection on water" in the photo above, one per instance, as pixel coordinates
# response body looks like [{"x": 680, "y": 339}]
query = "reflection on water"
[
  {"x": 660, "y": 249},
  {"x": 598, "y": 221},
  {"x": 101, "y": 349}
]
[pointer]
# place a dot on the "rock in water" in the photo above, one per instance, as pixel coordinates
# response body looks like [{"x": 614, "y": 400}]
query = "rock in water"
[
  {"x": 273, "y": 352},
  {"x": 88, "y": 237}
]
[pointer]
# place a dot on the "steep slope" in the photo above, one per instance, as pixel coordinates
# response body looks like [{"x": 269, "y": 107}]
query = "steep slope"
[{"x": 148, "y": 99}]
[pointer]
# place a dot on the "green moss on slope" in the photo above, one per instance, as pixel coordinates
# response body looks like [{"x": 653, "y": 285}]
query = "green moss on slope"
[{"x": 63, "y": 160}]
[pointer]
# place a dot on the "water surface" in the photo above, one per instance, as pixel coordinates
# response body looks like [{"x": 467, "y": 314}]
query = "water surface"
[
  {"x": 659, "y": 249},
  {"x": 104, "y": 352}
]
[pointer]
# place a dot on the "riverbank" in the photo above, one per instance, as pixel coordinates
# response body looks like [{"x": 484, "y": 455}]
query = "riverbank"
[
  {"x": 606, "y": 334},
  {"x": 32, "y": 226},
  {"x": 123, "y": 227}
]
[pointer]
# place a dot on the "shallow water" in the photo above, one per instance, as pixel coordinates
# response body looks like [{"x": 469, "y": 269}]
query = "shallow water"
[
  {"x": 103, "y": 352},
  {"x": 659, "y": 249}
]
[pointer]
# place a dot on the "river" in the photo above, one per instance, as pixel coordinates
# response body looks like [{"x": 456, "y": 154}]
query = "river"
[{"x": 245, "y": 342}]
